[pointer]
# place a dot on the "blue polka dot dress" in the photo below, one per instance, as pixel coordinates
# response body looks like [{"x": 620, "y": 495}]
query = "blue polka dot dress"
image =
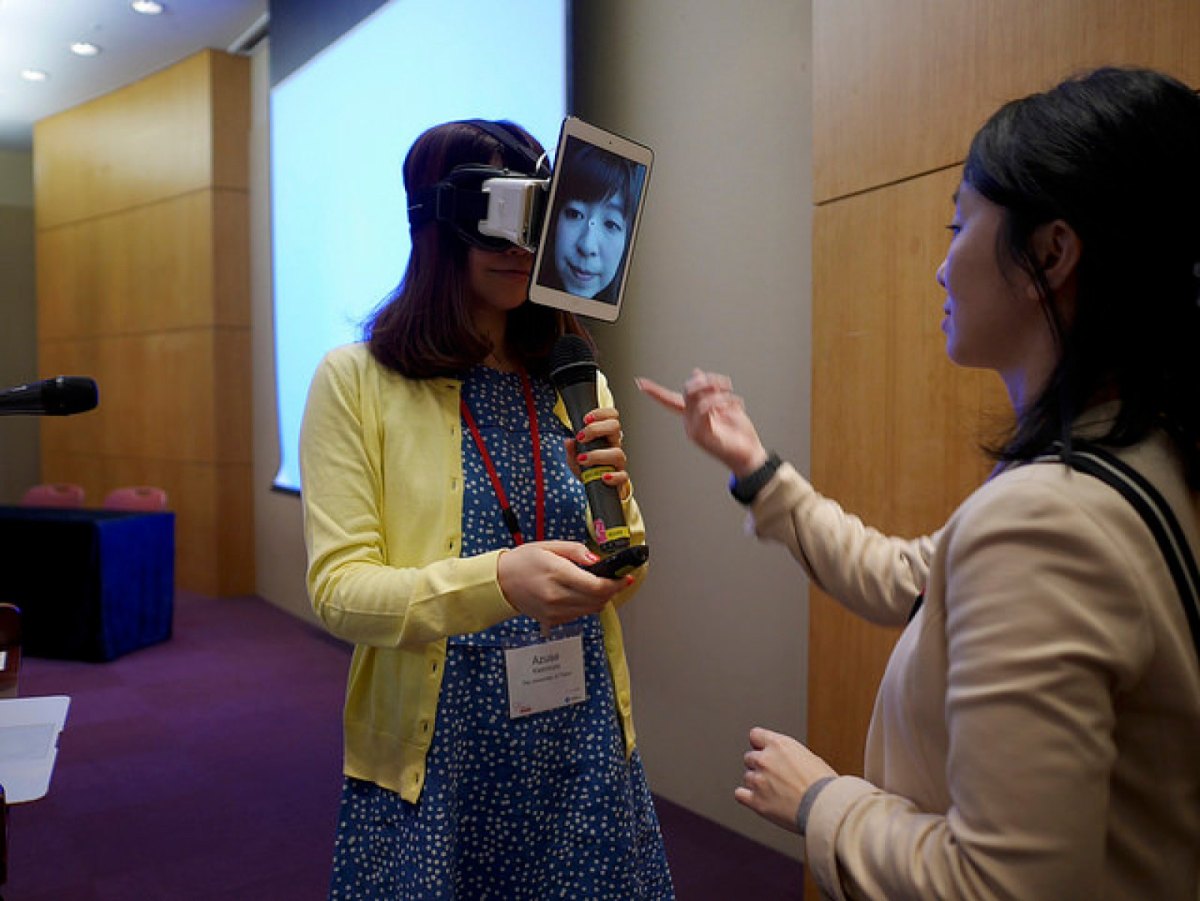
[{"x": 538, "y": 807}]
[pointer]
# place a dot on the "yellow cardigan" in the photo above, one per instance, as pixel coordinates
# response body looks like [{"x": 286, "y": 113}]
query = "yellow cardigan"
[{"x": 382, "y": 487}]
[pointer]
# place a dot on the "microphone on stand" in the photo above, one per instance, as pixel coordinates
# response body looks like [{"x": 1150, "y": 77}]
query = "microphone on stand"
[
  {"x": 573, "y": 374},
  {"x": 61, "y": 396}
]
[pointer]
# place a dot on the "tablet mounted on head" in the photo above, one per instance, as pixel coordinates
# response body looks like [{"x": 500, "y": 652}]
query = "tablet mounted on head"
[
  {"x": 581, "y": 221},
  {"x": 595, "y": 204}
]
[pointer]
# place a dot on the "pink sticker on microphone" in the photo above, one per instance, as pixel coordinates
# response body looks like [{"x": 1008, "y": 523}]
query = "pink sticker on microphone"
[{"x": 601, "y": 532}]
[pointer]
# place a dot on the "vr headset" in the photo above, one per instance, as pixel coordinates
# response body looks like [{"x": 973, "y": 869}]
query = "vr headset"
[{"x": 488, "y": 206}]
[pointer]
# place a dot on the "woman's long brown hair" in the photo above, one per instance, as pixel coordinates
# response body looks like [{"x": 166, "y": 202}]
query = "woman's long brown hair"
[{"x": 423, "y": 328}]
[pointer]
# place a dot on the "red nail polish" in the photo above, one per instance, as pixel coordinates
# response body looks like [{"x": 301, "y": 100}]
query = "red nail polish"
[
  {"x": 582, "y": 458},
  {"x": 607, "y": 477},
  {"x": 580, "y": 437},
  {"x": 589, "y": 419}
]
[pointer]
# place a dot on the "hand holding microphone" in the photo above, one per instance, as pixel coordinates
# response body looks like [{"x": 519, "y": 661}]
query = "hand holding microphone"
[
  {"x": 546, "y": 579},
  {"x": 597, "y": 447},
  {"x": 617, "y": 564}
]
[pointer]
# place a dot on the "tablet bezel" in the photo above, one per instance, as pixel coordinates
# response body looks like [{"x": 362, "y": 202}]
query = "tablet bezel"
[{"x": 639, "y": 154}]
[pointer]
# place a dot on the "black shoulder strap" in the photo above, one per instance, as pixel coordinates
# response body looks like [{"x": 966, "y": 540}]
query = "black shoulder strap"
[{"x": 1156, "y": 513}]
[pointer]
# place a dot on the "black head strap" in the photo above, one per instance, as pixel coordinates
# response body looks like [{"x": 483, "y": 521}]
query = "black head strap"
[
  {"x": 516, "y": 155},
  {"x": 457, "y": 198}
]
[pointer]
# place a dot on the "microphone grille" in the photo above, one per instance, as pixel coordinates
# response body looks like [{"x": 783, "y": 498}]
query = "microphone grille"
[
  {"x": 68, "y": 394},
  {"x": 571, "y": 361}
]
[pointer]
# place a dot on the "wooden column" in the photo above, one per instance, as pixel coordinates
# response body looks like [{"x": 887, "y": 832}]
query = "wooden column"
[{"x": 141, "y": 205}]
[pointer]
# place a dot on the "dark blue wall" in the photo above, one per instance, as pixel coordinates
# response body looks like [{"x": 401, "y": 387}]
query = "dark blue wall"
[{"x": 300, "y": 29}]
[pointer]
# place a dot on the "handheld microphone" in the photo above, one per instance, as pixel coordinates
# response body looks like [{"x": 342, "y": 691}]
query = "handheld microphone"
[
  {"x": 61, "y": 396},
  {"x": 573, "y": 373}
]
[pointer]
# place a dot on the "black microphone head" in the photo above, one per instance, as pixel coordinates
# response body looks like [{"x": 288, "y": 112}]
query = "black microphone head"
[
  {"x": 571, "y": 361},
  {"x": 69, "y": 394}
]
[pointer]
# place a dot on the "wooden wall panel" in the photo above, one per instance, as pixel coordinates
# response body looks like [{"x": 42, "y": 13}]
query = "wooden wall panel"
[
  {"x": 895, "y": 423},
  {"x": 231, "y": 406},
  {"x": 899, "y": 88},
  {"x": 234, "y": 506},
  {"x": 230, "y": 119},
  {"x": 881, "y": 379},
  {"x": 143, "y": 283},
  {"x": 204, "y": 497},
  {"x": 137, "y": 271},
  {"x": 149, "y": 140},
  {"x": 157, "y": 396},
  {"x": 230, "y": 258}
]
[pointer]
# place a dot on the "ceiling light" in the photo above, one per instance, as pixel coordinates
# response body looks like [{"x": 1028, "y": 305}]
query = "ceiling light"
[
  {"x": 84, "y": 48},
  {"x": 147, "y": 7},
  {"x": 33, "y": 75}
]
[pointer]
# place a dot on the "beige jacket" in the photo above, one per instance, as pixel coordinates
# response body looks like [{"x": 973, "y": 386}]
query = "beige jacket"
[{"x": 1037, "y": 731}]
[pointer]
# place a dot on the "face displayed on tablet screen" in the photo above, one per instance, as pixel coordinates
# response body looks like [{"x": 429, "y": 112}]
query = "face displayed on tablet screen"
[{"x": 589, "y": 229}]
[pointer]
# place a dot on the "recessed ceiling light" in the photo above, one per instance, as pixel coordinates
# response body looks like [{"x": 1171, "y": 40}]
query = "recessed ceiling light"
[
  {"x": 84, "y": 48},
  {"x": 33, "y": 75},
  {"x": 147, "y": 7}
]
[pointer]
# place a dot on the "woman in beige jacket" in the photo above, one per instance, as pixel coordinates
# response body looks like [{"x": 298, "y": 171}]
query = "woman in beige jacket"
[{"x": 1037, "y": 731}]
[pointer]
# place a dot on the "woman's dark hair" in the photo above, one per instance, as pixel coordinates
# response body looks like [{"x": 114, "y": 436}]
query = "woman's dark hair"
[
  {"x": 593, "y": 175},
  {"x": 1115, "y": 154},
  {"x": 423, "y": 328}
]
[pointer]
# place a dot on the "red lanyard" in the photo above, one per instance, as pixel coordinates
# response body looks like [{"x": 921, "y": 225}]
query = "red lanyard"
[{"x": 510, "y": 518}]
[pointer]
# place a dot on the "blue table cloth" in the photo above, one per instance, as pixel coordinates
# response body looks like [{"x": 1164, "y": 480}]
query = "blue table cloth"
[{"x": 91, "y": 584}]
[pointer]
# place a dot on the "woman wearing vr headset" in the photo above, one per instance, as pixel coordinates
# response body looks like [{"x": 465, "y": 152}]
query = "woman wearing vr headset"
[
  {"x": 446, "y": 531},
  {"x": 1036, "y": 734}
]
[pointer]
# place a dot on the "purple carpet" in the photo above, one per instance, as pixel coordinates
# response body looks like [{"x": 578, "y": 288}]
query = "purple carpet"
[{"x": 208, "y": 767}]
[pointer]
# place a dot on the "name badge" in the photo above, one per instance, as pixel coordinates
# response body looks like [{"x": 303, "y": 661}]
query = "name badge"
[{"x": 545, "y": 676}]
